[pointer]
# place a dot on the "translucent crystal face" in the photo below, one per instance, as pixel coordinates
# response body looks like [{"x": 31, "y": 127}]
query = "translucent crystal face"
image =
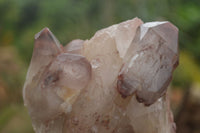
[
  {"x": 73, "y": 71},
  {"x": 74, "y": 47},
  {"x": 53, "y": 78},
  {"x": 102, "y": 85},
  {"x": 150, "y": 62}
]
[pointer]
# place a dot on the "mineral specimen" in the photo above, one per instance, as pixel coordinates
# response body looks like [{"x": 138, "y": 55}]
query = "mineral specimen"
[{"x": 116, "y": 82}]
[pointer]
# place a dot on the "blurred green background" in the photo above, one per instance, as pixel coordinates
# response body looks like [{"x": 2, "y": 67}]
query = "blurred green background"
[{"x": 20, "y": 20}]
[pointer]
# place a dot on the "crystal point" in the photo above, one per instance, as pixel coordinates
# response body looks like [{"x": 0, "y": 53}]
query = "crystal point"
[
  {"x": 150, "y": 62},
  {"x": 104, "y": 84}
]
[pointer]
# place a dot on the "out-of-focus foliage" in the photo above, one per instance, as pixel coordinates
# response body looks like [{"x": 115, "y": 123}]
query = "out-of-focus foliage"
[
  {"x": 20, "y": 20},
  {"x": 188, "y": 71}
]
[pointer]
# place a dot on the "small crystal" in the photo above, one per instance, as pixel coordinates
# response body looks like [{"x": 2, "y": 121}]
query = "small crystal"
[{"x": 74, "y": 47}]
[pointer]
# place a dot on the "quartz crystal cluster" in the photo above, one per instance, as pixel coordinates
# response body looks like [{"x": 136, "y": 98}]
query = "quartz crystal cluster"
[{"x": 115, "y": 82}]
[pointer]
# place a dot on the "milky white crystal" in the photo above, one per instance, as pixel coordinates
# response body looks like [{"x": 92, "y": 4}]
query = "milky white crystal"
[{"x": 115, "y": 82}]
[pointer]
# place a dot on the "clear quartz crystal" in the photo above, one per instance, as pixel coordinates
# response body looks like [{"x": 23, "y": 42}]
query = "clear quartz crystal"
[{"x": 115, "y": 82}]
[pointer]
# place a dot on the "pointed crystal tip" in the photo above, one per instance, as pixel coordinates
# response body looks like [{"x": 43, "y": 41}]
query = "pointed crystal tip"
[
  {"x": 46, "y": 34},
  {"x": 43, "y": 32}
]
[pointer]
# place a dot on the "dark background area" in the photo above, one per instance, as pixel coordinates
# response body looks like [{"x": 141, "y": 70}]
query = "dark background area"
[{"x": 20, "y": 20}]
